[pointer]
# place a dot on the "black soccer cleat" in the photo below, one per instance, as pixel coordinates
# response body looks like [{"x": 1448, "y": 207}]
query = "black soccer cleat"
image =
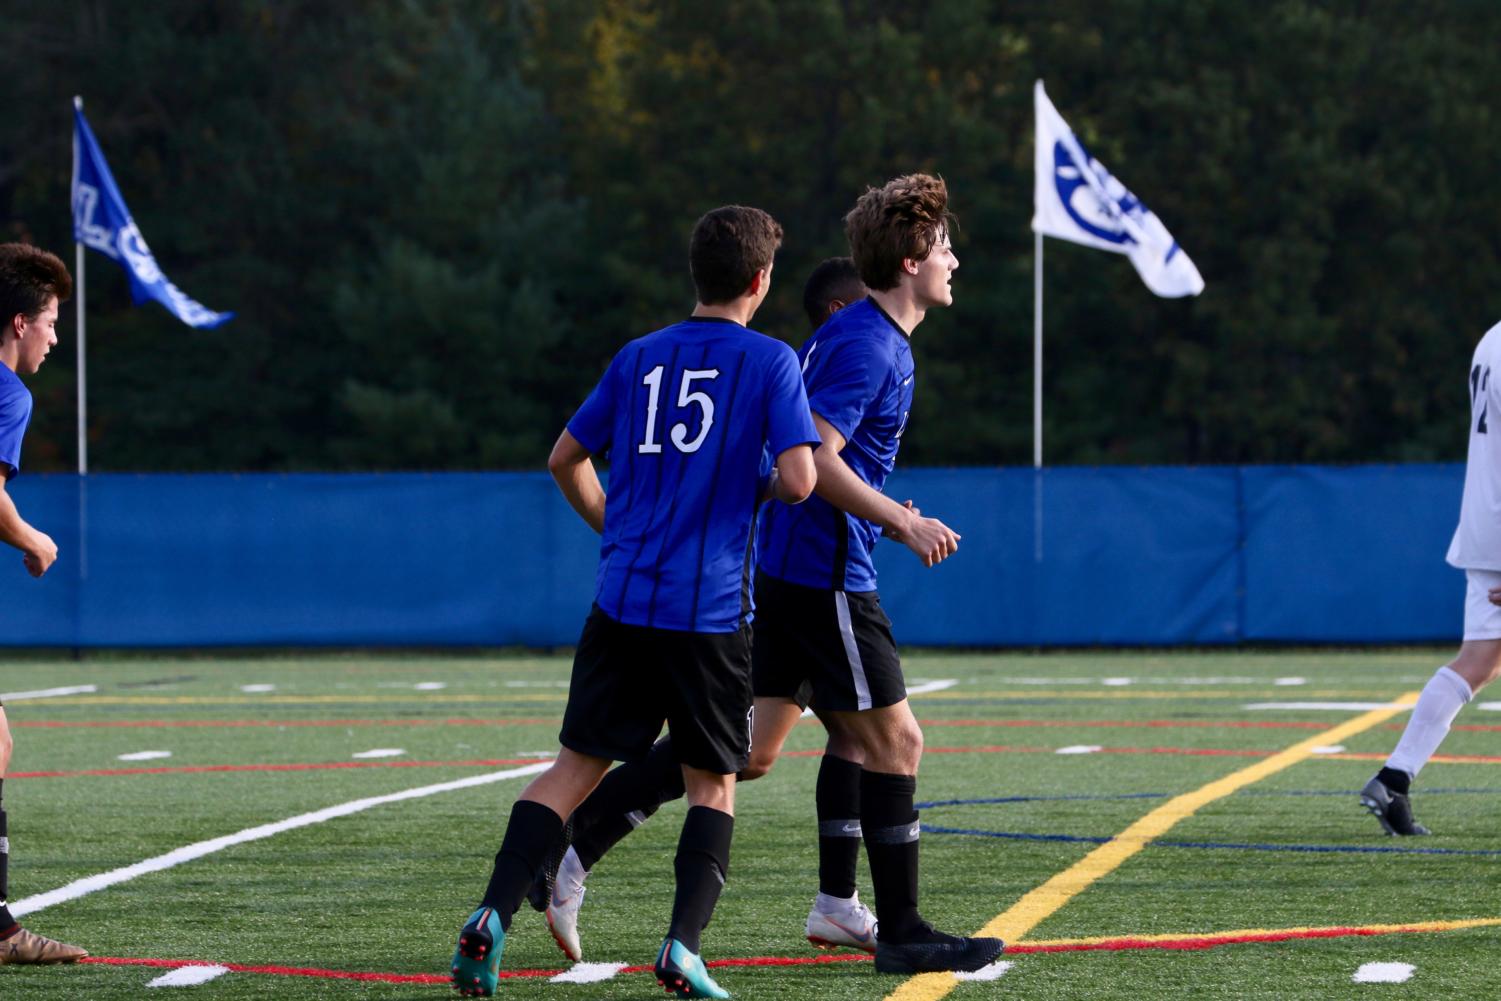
[
  {"x": 934, "y": 952},
  {"x": 539, "y": 894},
  {"x": 1392, "y": 809}
]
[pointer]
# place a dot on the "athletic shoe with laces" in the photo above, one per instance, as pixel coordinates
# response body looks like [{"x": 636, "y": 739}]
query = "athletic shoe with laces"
[
  {"x": 26, "y": 947},
  {"x": 476, "y": 961},
  {"x": 1391, "y": 808},
  {"x": 834, "y": 923},
  {"x": 683, "y": 973},
  {"x": 930, "y": 951},
  {"x": 539, "y": 894},
  {"x": 563, "y": 907}
]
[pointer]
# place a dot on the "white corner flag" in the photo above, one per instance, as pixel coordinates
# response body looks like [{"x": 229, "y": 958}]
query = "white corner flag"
[{"x": 1078, "y": 200}]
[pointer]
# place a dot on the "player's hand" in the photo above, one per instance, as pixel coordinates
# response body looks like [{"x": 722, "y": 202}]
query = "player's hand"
[
  {"x": 930, "y": 539},
  {"x": 1494, "y": 594},
  {"x": 40, "y": 555}
]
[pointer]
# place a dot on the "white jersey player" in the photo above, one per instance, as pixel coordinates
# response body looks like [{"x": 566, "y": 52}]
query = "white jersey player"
[{"x": 1476, "y": 550}]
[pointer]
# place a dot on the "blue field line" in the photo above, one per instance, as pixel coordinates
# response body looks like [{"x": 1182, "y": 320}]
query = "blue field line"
[
  {"x": 1240, "y": 846},
  {"x": 991, "y": 800}
]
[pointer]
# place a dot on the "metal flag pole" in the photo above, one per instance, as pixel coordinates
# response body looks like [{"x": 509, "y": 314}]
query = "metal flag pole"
[
  {"x": 83, "y": 386},
  {"x": 1037, "y": 354},
  {"x": 1037, "y": 400}
]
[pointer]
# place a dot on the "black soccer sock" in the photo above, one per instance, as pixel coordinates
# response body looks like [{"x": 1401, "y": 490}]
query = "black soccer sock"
[
  {"x": 890, "y": 827},
  {"x": 624, "y": 799},
  {"x": 702, "y": 863},
  {"x": 838, "y": 799},
  {"x": 8, "y": 926},
  {"x": 1395, "y": 779},
  {"x": 529, "y": 834}
]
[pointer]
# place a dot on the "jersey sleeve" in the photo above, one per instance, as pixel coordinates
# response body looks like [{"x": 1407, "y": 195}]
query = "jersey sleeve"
[
  {"x": 594, "y": 423},
  {"x": 15, "y": 412},
  {"x": 789, "y": 421},
  {"x": 846, "y": 380}
]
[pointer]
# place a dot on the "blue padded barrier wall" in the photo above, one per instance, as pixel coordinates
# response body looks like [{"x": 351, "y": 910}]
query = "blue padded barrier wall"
[
  {"x": 1352, "y": 554},
  {"x": 1068, "y": 556}
]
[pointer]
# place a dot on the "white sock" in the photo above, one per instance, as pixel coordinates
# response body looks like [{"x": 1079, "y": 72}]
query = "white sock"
[
  {"x": 826, "y": 904},
  {"x": 1442, "y": 698},
  {"x": 571, "y": 871}
]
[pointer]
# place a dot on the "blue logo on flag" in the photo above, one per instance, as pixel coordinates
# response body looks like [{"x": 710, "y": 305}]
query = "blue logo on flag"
[
  {"x": 1097, "y": 216},
  {"x": 102, "y": 222}
]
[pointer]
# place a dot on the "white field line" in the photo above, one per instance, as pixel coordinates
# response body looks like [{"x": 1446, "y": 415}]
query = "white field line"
[
  {"x": 48, "y": 693},
  {"x": 587, "y": 973},
  {"x": 992, "y": 972},
  {"x": 1332, "y": 706},
  {"x": 189, "y": 976},
  {"x": 932, "y": 686},
  {"x": 1384, "y": 973},
  {"x": 188, "y": 853},
  {"x": 143, "y": 755},
  {"x": 380, "y": 752}
]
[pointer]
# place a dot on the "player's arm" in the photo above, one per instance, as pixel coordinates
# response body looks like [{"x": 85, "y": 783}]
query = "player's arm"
[
  {"x": 929, "y": 538},
  {"x": 794, "y": 475},
  {"x": 573, "y": 470},
  {"x": 39, "y": 549}
]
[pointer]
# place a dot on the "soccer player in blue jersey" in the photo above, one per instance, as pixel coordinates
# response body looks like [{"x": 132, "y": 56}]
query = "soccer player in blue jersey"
[
  {"x": 816, "y": 582},
  {"x": 685, "y": 414},
  {"x": 634, "y": 791},
  {"x": 819, "y": 617},
  {"x": 32, "y": 283}
]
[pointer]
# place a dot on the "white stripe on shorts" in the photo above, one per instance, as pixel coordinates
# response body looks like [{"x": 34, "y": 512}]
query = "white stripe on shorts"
[{"x": 852, "y": 651}]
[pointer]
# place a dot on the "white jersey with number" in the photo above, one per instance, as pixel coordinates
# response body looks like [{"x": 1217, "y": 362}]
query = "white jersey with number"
[{"x": 1477, "y": 541}]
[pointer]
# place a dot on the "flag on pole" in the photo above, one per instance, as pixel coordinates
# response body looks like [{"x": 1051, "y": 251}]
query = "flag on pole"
[
  {"x": 1078, "y": 200},
  {"x": 101, "y": 221}
]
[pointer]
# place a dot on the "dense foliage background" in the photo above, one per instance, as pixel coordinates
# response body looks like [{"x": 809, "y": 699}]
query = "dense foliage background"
[{"x": 437, "y": 220}]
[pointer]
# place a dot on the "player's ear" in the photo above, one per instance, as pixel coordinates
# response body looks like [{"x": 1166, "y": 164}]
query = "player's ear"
[
  {"x": 759, "y": 281},
  {"x": 909, "y": 265}
]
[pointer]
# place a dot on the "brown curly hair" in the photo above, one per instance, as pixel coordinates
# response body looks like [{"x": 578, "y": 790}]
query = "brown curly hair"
[
  {"x": 29, "y": 278},
  {"x": 901, "y": 220}
]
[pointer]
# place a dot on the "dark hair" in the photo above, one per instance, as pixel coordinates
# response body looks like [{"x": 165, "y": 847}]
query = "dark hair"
[
  {"x": 729, "y": 246},
  {"x": 835, "y": 278},
  {"x": 901, "y": 220},
  {"x": 29, "y": 278}
]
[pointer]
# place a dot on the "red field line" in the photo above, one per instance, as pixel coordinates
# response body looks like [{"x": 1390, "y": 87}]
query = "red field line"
[
  {"x": 274, "y": 724},
  {"x": 1186, "y": 943},
  {"x": 1153, "y": 724},
  {"x": 297, "y": 767}
]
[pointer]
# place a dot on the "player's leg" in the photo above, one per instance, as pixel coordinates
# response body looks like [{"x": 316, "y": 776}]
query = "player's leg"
[
  {"x": 1450, "y": 688},
  {"x": 709, "y": 715},
  {"x": 1477, "y": 665},
  {"x": 607, "y": 718},
  {"x": 868, "y": 696},
  {"x": 838, "y": 917},
  {"x": 623, "y": 800},
  {"x": 17, "y": 945}
]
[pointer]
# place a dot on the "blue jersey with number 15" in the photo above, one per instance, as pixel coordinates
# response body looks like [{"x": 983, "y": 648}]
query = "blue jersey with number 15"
[{"x": 686, "y": 413}]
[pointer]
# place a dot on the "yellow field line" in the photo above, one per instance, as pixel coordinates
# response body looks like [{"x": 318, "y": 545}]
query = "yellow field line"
[
  {"x": 1043, "y": 901},
  {"x": 1241, "y": 933}
]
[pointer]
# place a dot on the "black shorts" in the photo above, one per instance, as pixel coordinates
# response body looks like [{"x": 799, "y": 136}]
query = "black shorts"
[
  {"x": 628, "y": 679},
  {"x": 833, "y": 645}
]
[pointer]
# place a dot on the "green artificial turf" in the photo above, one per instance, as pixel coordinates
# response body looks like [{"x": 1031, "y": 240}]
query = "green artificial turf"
[{"x": 384, "y": 890}]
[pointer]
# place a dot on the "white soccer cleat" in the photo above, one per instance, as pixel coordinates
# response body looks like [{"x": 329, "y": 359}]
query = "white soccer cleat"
[
  {"x": 563, "y": 909},
  {"x": 834, "y": 923}
]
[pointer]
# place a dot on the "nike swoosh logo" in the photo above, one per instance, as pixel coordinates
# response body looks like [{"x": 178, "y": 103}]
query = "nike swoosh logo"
[
  {"x": 907, "y": 381},
  {"x": 851, "y": 828},
  {"x": 857, "y": 936}
]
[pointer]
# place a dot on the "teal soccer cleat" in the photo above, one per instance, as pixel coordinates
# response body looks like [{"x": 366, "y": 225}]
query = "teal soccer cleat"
[
  {"x": 476, "y": 961},
  {"x": 684, "y": 974}
]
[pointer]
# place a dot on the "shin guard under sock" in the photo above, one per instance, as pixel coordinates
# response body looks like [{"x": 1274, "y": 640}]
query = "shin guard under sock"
[
  {"x": 890, "y": 825},
  {"x": 530, "y": 833},
  {"x": 624, "y": 799},
  {"x": 702, "y": 863},
  {"x": 838, "y": 801}
]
